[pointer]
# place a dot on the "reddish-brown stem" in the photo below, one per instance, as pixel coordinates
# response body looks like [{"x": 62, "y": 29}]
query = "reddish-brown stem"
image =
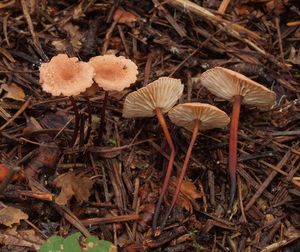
[
  {"x": 81, "y": 131},
  {"x": 163, "y": 124},
  {"x": 183, "y": 171},
  {"x": 77, "y": 119},
  {"x": 89, "y": 110},
  {"x": 102, "y": 118},
  {"x": 232, "y": 160}
]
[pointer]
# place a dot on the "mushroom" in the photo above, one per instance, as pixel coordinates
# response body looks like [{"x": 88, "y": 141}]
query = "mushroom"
[
  {"x": 112, "y": 73},
  {"x": 238, "y": 89},
  {"x": 194, "y": 117},
  {"x": 69, "y": 77},
  {"x": 156, "y": 98}
]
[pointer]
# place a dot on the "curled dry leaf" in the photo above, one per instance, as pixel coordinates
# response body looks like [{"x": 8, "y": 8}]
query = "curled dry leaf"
[
  {"x": 121, "y": 16},
  {"x": 11, "y": 215},
  {"x": 23, "y": 239},
  {"x": 188, "y": 192},
  {"x": 13, "y": 92},
  {"x": 73, "y": 185}
]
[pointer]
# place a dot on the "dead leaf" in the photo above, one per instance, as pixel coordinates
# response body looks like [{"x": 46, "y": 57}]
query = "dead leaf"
[
  {"x": 75, "y": 35},
  {"x": 188, "y": 193},
  {"x": 121, "y": 16},
  {"x": 4, "y": 171},
  {"x": 72, "y": 185},
  {"x": 25, "y": 238},
  {"x": 55, "y": 120},
  {"x": 190, "y": 190},
  {"x": 11, "y": 215},
  {"x": 13, "y": 92},
  {"x": 60, "y": 45},
  {"x": 45, "y": 157}
]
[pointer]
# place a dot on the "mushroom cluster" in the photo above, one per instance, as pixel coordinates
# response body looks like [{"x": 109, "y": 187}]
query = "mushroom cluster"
[
  {"x": 159, "y": 97},
  {"x": 70, "y": 77},
  {"x": 156, "y": 98}
]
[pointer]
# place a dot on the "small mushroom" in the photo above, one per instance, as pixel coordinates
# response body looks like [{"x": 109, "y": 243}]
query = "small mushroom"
[
  {"x": 112, "y": 73},
  {"x": 194, "y": 117},
  {"x": 238, "y": 89},
  {"x": 69, "y": 77},
  {"x": 156, "y": 98}
]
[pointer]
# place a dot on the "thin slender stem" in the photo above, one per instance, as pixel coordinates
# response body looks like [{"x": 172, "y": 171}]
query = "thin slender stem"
[
  {"x": 183, "y": 171},
  {"x": 163, "y": 124},
  {"x": 232, "y": 160},
  {"x": 77, "y": 119},
  {"x": 81, "y": 131},
  {"x": 102, "y": 118},
  {"x": 89, "y": 110}
]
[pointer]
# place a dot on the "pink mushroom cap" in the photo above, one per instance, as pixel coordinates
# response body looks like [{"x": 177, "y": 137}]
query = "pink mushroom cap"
[
  {"x": 114, "y": 73},
  {"x": 66, "y": 76}
]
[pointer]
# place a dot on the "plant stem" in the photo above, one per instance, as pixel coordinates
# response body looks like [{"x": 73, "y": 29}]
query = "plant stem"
[
  {"x": 232, "y": 160},
  {"x": 163, "y": 124},
  {"x": 89, "y": 110},
  {"x": 76, "y": 113},
  {"x": 81, "y": 131},
  {"x": 183, "y": 171},
  {"x": 102, "y": 118}
]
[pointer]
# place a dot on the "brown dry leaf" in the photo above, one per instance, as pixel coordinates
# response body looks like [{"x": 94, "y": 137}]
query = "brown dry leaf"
[
  {"x": 121, "y": 16},
  {"x": 184, "y": 202},
  {"x": 26, "y": 238},
  {"x": 45, "y": 157},
  {"x": 55, "y": 120},
  {"x": 75, "y": 35},
  {"x": 276, "y": 7},
  {"x": 11, "y": 215},
  {"x": 13, "y": 92},
  {"x": 190, "y": 190},
  {"x": 72, "y": 185},
  {"x": 60, "y": 45}
]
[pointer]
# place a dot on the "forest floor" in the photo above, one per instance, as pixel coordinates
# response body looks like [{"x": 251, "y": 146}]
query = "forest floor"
[{"x": 110, "y": 188}]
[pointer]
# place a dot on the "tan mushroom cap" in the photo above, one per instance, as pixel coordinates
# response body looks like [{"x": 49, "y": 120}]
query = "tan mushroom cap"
[
  {"x": 66, "y": 76},
  {"x": 184, "y": 115},
  {"x": 113, "y": 73},
  {"x": 162, "y": 93},
  {"x": 226, "y": 84}
]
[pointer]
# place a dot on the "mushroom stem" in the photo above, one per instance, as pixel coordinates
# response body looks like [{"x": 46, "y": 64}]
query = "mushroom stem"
[
  {"x": 81, "y": 130},
  {"x": 102, "y": 118},
  {"x": 89, "y": 110},
  {"x": 183, "y": 171},
  {"x": 163, "y": 124},
  {"x": 77, "y": 119},
  {"x": 232, "y": 160}
]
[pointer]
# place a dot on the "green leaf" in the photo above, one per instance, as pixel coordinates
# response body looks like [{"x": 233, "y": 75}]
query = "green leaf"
[
  {"x": 71, "y": 244},
  {"x": 52, "y": 244},
  {"x": 93, "y": 244},
  {"x": 57, "y": 243}
]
